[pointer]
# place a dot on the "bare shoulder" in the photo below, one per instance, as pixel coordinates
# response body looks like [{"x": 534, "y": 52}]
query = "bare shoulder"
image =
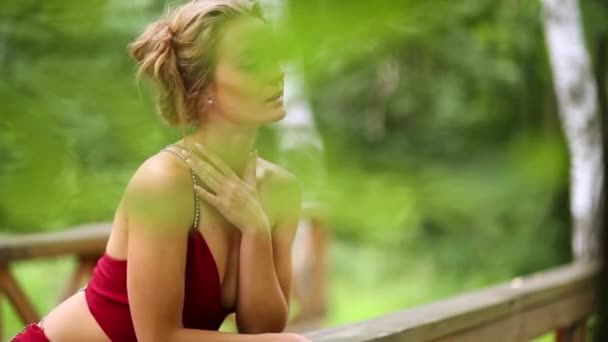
[
  {"x": 283, "y": 187},
  {"x": 160, "y": 189},
  {"x": 162, "y": 173},
  {"x": 276, "y": 176}
]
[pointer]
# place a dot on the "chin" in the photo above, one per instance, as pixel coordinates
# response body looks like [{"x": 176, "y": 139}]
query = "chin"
[
  {"x": 275, "y": 114},
  {"x": 281, "y": 113}
]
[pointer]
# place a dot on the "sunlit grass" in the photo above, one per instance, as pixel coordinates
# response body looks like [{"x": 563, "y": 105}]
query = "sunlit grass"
[{"x": 364, "y": 285}]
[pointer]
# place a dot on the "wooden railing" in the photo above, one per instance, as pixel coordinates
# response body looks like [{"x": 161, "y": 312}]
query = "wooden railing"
[
  {"x": 86, "y": 242},
  {"x": 559, "y": 299}
]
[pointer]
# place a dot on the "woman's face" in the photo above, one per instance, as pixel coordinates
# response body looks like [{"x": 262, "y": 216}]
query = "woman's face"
[{"x": 248, "y": 80}]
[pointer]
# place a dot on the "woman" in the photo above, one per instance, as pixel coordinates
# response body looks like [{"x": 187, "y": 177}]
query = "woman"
[{"x": 205, "y": 227}]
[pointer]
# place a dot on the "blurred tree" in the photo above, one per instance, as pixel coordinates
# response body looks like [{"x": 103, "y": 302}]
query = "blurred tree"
[{"x": 577, "y": 94}]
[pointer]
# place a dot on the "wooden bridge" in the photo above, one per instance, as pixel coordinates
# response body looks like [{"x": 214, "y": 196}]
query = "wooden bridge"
[{"x": 560, "y": 299}]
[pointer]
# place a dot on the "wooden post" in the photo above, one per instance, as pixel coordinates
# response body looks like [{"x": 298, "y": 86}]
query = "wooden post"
[
  {"x": 24, "y": 308},
  {"x": 574, "y": 333},
  {"x": 86, "y": 264}
]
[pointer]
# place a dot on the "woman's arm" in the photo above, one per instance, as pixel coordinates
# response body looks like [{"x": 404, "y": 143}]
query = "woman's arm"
[
  {"x": 265, "y": 266},
  {"x": 160, "y": 213},
  {"x": 264, "y": 274},
  {"x": 262, "y": 304}
]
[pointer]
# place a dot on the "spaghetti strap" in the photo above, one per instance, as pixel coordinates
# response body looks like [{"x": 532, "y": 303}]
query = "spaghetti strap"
[{"x": 196, "y": 199}]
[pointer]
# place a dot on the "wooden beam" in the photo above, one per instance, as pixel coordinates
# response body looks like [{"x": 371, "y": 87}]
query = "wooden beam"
[
  {"x": 86, "y": 239},
  {"x": 529, "y": 298},
  {"x": 530, "y": 323}
]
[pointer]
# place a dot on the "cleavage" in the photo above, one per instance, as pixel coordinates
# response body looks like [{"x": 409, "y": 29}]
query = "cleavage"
[{"x": 223, "y": 240}]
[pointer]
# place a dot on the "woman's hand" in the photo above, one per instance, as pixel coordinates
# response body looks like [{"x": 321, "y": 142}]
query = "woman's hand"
[{"x": 237, "y": 200}]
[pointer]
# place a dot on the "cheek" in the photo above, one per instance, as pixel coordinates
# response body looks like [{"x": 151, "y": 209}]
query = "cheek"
[{"x": 235, "y": 90}]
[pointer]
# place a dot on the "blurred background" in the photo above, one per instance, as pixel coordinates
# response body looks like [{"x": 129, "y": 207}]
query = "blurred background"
[{"x": 437, "y": 165}]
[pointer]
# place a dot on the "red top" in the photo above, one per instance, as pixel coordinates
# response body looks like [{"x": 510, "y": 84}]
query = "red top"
[{"x": 106, "y": 293}]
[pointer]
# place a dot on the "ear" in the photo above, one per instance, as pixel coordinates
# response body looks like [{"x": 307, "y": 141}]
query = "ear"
[{"x": 205, "y": 95}]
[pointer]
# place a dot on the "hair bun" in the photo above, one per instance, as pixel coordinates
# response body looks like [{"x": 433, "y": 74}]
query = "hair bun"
[
  {"x": 165, "y": 33},
  {"x": 153, "y": 48},
  {"x": 155, "y": 54}
]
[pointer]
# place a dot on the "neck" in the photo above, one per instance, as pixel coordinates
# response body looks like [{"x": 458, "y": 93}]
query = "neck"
[{"x": 229, "y": 141}]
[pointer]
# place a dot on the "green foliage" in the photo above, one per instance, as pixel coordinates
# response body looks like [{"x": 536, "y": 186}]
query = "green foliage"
[
  {"x": 468, "y": 166},
  {"x": 73, "y": 124},
  {"x": 443, "y": 146}
]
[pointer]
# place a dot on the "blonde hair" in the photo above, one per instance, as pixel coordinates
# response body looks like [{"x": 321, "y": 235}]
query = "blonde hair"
[{"x": 178, "y": 52}]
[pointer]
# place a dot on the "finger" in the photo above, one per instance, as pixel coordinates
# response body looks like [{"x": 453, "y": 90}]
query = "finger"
[
  {"x": 204, "y": 168},
  {"x": 249, "y": 174},
  {"x": 215, "y": 160},
  {"x": 206, "y": 195},
  {"x": 206, "y": 173}
]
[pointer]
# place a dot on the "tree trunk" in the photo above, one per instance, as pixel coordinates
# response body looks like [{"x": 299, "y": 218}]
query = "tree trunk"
[{"x": 577, "y": 99}]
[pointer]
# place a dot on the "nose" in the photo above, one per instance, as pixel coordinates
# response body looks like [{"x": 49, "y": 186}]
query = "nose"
[{"x": 277, "y": 79}]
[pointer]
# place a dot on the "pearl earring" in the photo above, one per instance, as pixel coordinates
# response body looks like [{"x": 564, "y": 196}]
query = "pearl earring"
[{"x": 210, "y": 101}]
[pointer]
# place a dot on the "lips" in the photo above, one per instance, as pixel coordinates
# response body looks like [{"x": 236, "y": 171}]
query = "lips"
[{"x": 276, "y": 96}]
